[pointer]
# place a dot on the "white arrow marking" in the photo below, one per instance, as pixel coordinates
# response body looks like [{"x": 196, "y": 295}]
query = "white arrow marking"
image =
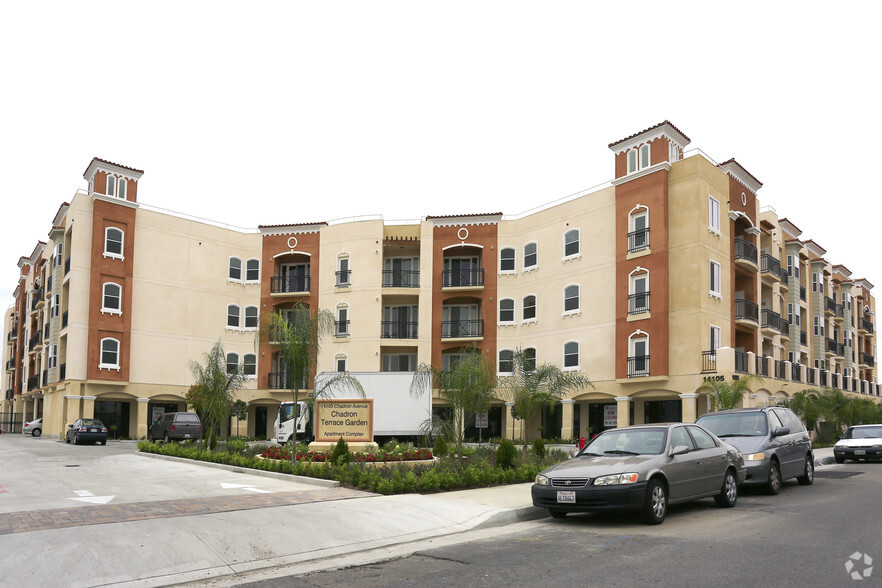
[
  {"x": 228, "y": 485},
  {"x": 83, "y": 493},
  {"x": 94, "y": 499},
  {"x": 259, "y": 490}
]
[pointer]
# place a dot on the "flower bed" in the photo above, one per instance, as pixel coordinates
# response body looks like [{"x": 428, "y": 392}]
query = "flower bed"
[{"x": 284, "y": 454}]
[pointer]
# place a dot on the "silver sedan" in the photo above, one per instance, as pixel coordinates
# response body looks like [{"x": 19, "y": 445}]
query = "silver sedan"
[{"x": 643, "y": 468}]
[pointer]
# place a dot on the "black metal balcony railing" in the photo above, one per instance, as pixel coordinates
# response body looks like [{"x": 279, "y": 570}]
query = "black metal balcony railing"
[
  {"x": 458, "y": 278},
  {"x": 45, "y": 332},
  {"x": 708, "y": 361},
  {"x": 288, "y": 284},
  {"x": 45, "y": 379},
  {"x": 810, "y": 376},
  {"x": 745, "y": 250},
  {"x": 746, "y": 309},
  {"x": 638, "y": 303},
  {"x": 401, "y": 278},
  {"x": 343, "y": 278},
  {"x": 822, "y": 378},
  {"x": 10, "y": 335},
  {"x": 780, "y": 371},
  {"x": 10, "y": 394},
  {"x": 803, "y": 338},
  {"x": 867, "y": 359},
  {"x": 66, "y": 266},
  {"x": 835, "y": 380},
  {"x": 281, "y": 381},
  {"x": 10, "y": 364},
  {"x": 762, "y": 366},
  {"x": 62, "y": 372},
  {"x": 770, "y": 265},
  {"x": 33, "y": 382},
  {"x": 741, "y": 362},
  {"x": 854, "y": 384},
  {"x": 638, "y": 240},
  {"x": 399, "y": 329},
  {"x": 48, "y": 284},
  {"x": 771, "y": 320},
  {"x": 64, "y": 319},
  {"x": 866, "y": 325},
  {"x": 802, "y": 293},
  {"x": 33, "y": 342},
  {"x": 831, "y": 305},
  {"x": 638, "y": 366},
  {"x": 461, "y": 329},
  {"x": 341, "y": 328},
  {"x": 796, "y": 372}
]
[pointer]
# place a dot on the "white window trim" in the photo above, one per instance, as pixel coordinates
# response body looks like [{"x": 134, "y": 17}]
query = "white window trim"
[
  {"x": 345, "y": 358},
  {"x": 535, "y": 307},
  {"x": 715, "y": 345},
  {"x": 578, "y": 309},
  {"x": 245, "y": 272},
  {"x": 710, "y": 219},
  {"x": 122, "y": 182},
  {"x": 636, "y": 152},
  {"x": 104, "y": 309},
  {"x": 535, "y": 355},
  {"x": 227, "y": 315},
  {"x": 514, "y": 312},
  {"x": 500, "y": 372},
  {"x": 514, "y": 270},
  {"x": 638, "y": 334},
  {"x": 563, "y": 359},
  {"x": 716, "y": 294},
  {"x": 535, "y": 266},
  {"x": 641, "y": 163},
  {"x": 572, "y": 256},
  {"x": 341, "y": 306},
  {"x": 635, "y": 212},
  {"x": 122, "y": 244},
  {"x": 241, "y": 270},
  {"x": 249, "y": 376},
  {"x": 109, "y": 366},
  {"x": 244, "y": 316},
  {"x": 110, "y": 185}
]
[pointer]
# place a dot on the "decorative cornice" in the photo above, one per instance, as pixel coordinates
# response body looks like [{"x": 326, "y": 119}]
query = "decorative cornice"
[
  {"x": 270, "y": 231},
  {"x": 663, "y": 129},
  {"x": 113, "y": 200},
  {"x": 864, "y": 283},
  {"x": 741, "y": 175},
  {"x": 465, "y": 220},
  {"x": 664, "y": 165},
  {"x": 109, "y": 167},
  {"x": 815, "y": 249},
  {"x": 842, "y": 271},
  {"x": 789, "y": 228}
]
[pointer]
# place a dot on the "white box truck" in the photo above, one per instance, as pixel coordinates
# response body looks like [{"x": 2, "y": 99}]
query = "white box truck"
[{"x": 397, "y": 413}]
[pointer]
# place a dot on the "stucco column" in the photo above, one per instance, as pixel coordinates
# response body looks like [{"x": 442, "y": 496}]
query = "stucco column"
[
  {"x": 688, "y": 407},
  {"x": 73, "y": 411},
  {"x": 623, "y": 411},
  {"x": 566, "y": 426},
  {"x": 141, "y": 417},
  {"x": 508, "y": 422},
  {"x": 89, "y": 407}
]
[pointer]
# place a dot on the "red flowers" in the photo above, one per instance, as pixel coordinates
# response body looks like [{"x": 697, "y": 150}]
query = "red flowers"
[{"x": 281, "y": 453}]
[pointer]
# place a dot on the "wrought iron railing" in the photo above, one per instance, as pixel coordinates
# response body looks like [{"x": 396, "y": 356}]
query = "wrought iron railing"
[
  {"x": 638, "y": 366},
  {"x": 638, "y": 240},
  {"x": 399, "y": 329},
  {"x": 462, "y": 329},
  {"x": 462, "y": 278},
  {"x": 638, "y": 303},
  {"x": 401, "y": 278},
  {"x": 745, "y": 250}
]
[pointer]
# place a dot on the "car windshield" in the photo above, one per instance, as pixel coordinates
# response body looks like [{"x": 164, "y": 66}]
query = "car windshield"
[
  {"x": 187, "y": 417},
  {"x": 735, "y": 424},
  {"x": 863, "y": 433},
  {"x": 626, "y": 442},
  {"x": 92, "y": 423}
]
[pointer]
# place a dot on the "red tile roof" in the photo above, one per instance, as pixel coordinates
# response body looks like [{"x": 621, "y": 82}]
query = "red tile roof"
[
  {"x": 744, "y": 168},
  {"x": 291, "y": 225},
  {"x": 652, "y": 128},
  {"x": 140, "y": 171},
  {"x": 463, "y": 215}
]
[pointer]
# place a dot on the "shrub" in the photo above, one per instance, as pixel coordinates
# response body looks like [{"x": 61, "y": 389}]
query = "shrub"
[
  {"x": 539, "y": 448},
  {"x": 440, "y": 449},
  {"x": 506, "y": 454},
  {"x": 341, "y": 455}
]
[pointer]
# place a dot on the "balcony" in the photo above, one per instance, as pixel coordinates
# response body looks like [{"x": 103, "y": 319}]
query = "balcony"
[
  {"x": 745, "y": 254},
  {"x": 291, "y": 284},
  {"x": 830, "y": 307},
  {"x": 45, "y": 332},
  {"x": 770, "y": 268},
  {"x": 638, "y": 366},
  {"x": 803, "y": 338},
  {"x": 343, "y": 278},
  {"x": 837, "y": 349},
  {"x": 762, "y": 366},
  {"x": 462, "y": 278},
  {"x": 638, "y": 303},
  {"x": 11, "y": 336},
  {"x": 796, "y": 372},
  {"x": 462, "y": 329},
  {"x": 33, "y": 382},
  {"x": 62, "y": 372},
  {"x": 746, "y": 312},
  {"x": 67, "y": 266},
  {"x": 840, "y": 312},
  {"x": 867, "y": 360},
  {"x": 780, "y": 370},
  {"x": 638, "y": 240},
  {"x": 822, "y": 378},
  {"x": 10, "y": 365},
  {"x": 341, "y": 328},
  {"x": 64, "y": 319},
  {"x": 401, "y": 278},
  {"x": 37, "y": 300},
  {"x": 741, "y": 362},
  {"x": 771, "y": 320},
  {"x": 708, "y": 361},
  {"x": 802, "y": 293},
  {"x": 399, "y": 329},
  {"x": 34, "y": 342},
  {"x": 810, "y": 376},
  {"x": 10, "y": 394},
  {"x": 280, "y": 381},
  {"x": 865, "y": 326}
]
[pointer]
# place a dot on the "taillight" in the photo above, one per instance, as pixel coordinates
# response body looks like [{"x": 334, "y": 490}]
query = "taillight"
[
  {"x": 103, "y": 429},
  {"x": 173, "y": 427},
  {"x": 82, "y": 429}
]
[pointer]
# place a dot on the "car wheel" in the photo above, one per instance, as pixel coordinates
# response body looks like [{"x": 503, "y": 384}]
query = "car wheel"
[
  {"x": 656, "y": 506},
  {"x": 839, "y": 459},
  {"x": 558, "y": 514},
  {"x": 773, "y": 486},
  {"x": 728, "y": 495},
  {"x": 67, "y": 438},
  {"x": 808, "y": 475},
  {"x": 76, "y": 440},
  {"x": 104, "y": 442},
  {"x": 37, "y": 433},
  {"x": 166, "y": 438}
]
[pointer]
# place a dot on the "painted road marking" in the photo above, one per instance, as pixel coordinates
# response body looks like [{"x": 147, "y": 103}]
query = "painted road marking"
[
  {"x": 249, "y": 487},
  {"x": 86, "y": 496}
]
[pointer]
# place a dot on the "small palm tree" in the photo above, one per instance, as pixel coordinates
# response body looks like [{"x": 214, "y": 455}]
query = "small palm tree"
[
  {"x": 216, "y": 383},
  {"x": 727, "y": 395}
]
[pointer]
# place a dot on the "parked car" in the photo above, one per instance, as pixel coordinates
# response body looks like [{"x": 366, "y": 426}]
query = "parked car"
[
  {"x": 87, "y": 431},
  {"x": 34, "y": 427},
  {"x": 859, "y": 442},
  {"x": 176, "y": 426},
  {"x": 642, "y": 468},
  {"x": 775, "y": 443}
]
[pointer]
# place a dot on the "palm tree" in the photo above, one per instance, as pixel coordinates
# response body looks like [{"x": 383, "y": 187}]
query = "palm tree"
[
  {"x": 532, "y": 387},
  {"x": 467, "y": 387},
  {"x": 727, "y": 395},
  {"x": 298, "y": 335},
  {"x": 215, "y": 382}
]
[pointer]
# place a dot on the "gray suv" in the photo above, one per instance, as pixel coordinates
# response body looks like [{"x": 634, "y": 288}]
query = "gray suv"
[
  {"x": 774, "y": 442},
  {"x": 176, "y": 425}
]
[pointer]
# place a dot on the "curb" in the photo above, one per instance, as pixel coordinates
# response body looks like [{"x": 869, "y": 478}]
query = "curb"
[
  {"x": 241, "y": 470},
  {"x": 511, "y": 516},
  {"x": 825, "y": 461}
]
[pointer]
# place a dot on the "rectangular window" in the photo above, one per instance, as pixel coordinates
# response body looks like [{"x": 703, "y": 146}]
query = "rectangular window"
[
  {"x": 716, "y": 286},
  {"x": 715, "y": 337},
  {"x": 571, "y": 355},
  {"x": 814, "y": 281},
  {"x": 571, "y": 243},
  {"x": 713, "y": 211},
  {"x": 815, "y": 331},
  {"x": 399, "y": 362},
  {"x": 507, "y": 260},
  {"x": 506, "y": 310},
  {"x": 530, "y": 255},
  {"x": 252, "y": 270},
  {"x": 53, "y": 356}
]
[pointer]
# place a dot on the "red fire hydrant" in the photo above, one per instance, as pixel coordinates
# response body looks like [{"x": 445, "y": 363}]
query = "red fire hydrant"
[{"x": 581, "y": 443}]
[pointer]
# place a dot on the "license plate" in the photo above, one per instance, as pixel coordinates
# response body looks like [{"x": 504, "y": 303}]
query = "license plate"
[
  {"x": 860, "y": 452},
  {"x": 187, "y": 435},
  {"x": 93, "y": 430},
  {"x": 566, "y": 496}
]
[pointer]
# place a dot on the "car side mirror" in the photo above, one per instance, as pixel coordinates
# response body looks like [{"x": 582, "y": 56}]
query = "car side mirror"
[
  {"x": 70, "y": 426},
  {"x": 780, "y": 431},
  {"x": 679, "y": 450}
]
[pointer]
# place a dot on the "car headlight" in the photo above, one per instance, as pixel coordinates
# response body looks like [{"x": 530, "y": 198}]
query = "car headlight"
[
  {"x": 541, "y": 480},
  {"x": 616, "y": 479},
  {"x": 754, "y": 456}
]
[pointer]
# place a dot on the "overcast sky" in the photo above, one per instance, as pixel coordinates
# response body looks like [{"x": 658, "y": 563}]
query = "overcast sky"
[{"x": 269, "y": 113}]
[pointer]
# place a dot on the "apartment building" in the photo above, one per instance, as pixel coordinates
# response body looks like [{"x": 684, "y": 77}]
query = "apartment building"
[{"x": 669, "y": 274}]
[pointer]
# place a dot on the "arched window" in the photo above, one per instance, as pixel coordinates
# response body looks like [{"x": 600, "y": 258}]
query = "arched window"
[
  {"x": 252, "y": 270},
  {"x": 111, "y": 299},
  {"x": 233, "y": 316},
  {"x": 529, "y": 308},
  {"x": 113, "y": 242},
  {"x": 121, "y": 186},
  {"x": 507, "y": 311},
  {"x": 506, "y": 361},
  {"x": 644, "y": 156},
  {"x": 342, "y": 324},
  {"x": 109, "y": 354},
  {"x": 571, "y": 243},
  {"x": 638, "y": 291},
  {"x": 251, "y": 317},
  {"x": 507, "y": 259},
  {"x": 232, "y": 363},
  {"x": 638, "y": 354},
  {"x": 111, "y": 186},
  {"x": 249, "y": 365},
  {"x": 638, "y": 229},
  {"x": 632, "y": 160},
  {"x": 571, "y": 299},
  {"x": 343, "y": 272},
  {"x": 571, "y": 355},
  {"x": 531, "y": 256},
  {"x": 235, "y": 272},
  {"x": 530, "y": 359},
  {"x": 341, "y": 362}
]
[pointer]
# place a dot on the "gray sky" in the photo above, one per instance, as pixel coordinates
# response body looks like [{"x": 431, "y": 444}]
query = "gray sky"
[{"x": 276, "y": 112}]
